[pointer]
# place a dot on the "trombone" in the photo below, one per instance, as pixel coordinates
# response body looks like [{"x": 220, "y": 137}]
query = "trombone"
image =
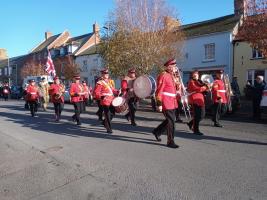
[{"x": 184, "y": 95}]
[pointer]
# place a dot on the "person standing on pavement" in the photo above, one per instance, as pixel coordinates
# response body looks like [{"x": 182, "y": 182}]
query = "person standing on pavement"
[
  {"x": 57, "y": 91},
  {"x": 85, "y": 96},
  {"x": 257, "y": 90},
  {"x": 76, "y": 93},
  {"x": 32, "y": 96},
  {"x": 219, "y": 98},
  {"x": 167, "y": 103},
  {"x": 128, "y": 93},
  {"x": 196, "y": 99}
]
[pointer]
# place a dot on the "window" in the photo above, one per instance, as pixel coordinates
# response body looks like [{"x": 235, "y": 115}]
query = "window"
[
  {"x": 256, "y": 54},
  {"x": 252, "y": 74},
  {"x": 209, "y": 51}
]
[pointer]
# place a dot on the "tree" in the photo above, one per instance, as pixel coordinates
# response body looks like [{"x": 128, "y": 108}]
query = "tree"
[
  {"x": 32, "y": 68},
  {"x": 65, "y": 66},
  {"x": 141, "y": 34},
  {"x": 254, "y": 26}
]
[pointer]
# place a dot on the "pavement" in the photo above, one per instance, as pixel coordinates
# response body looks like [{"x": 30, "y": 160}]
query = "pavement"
[{"x": 44, "y": 160}]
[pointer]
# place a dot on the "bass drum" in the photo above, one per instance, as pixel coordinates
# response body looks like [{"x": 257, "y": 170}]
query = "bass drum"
[
  {"x": 144, "y": 86},
  {"x": 120, "y": 104}
]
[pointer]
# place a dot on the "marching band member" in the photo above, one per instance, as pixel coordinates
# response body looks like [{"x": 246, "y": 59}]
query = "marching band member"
[
  {"x": 85, "y": 96},
  {"x": 196, "y": 98},
  {"x": 128, "y": 93},
  {"x": 219, "y": 98},
  {"x": 32, "y": 96},
  {"x": 167, "y": 103},
  {"x": 6, "y": 91},
  {"x": 99, "y": 112},
  {"x": 179, "y": 96},
  {"x": 56, "y": 92},
  {"x": 76, "y": 93},
  {"x": 104, "y": 91},
  {"x": 44, "y": 93}
]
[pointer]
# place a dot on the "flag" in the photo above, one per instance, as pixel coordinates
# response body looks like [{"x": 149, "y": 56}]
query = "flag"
[{"x": 50, "y": 68}]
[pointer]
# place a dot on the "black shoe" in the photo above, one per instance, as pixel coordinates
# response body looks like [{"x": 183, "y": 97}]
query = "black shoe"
[
  {"x": 198, "y": 133},
  {"x": 218, "y": 125},
  {"x": 172, "y": 145},
  {"x": 109, "y": 131},
  {"x": 79, "y": 123},
  {"x": 133, "y": 124},
  {"x": 179, "y": 120},
  {"x": 156, "y": 136}
]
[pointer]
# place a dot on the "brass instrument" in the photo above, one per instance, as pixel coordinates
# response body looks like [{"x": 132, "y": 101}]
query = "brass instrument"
[
  {"x": 60, "y": 92},
  {"x": 184, "y": 94}
]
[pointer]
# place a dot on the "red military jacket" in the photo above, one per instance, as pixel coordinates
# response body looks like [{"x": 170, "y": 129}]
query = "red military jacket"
[
  {"x": 218, "y": 91},
  {"x": 196, "y": 90},
  {"x": 104, "y": 91},
  {"x": 166, "y": 91},
  {"x": 32, "y": 93},
  {"x": 57, "y": 89},
  {"x": 127, "y": 86},
  {"x": 76, "y": 92}
]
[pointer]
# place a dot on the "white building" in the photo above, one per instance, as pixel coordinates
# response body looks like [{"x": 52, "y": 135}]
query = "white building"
[{"x": 208, "y": 46}]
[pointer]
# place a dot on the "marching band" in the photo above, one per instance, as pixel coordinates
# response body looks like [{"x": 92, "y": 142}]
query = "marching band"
[{"x": 170, "y": 94}]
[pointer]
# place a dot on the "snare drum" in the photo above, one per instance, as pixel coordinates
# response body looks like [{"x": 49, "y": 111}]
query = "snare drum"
[
  {"x": 120, "y": 104},
  {"x": 144, "y": 86}
]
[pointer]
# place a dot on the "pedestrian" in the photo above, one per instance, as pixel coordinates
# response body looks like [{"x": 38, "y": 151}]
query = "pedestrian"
[
  {"x": 257, "y": 90},
  {"x": 44, "y": 93},
  {"x": 167, "y": 103}
]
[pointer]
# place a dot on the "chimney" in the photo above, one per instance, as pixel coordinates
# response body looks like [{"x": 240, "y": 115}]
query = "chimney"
[
  {"x": 96, "y": 28},
  {"x": 48, "y": 35},
  {"x": 239, "y": 7},
  {"x": 3, "y": 54}
]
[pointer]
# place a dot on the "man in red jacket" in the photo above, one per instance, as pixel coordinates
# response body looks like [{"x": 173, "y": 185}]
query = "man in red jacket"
[
  {"x": 56, "y": 91},
  {"x": 167, "y": 102},
  {"x": 32, "y": 96},
  {"x": 76, "y": 93},
  {"x": 127, "y": 90},
  {"x": 104, "y": 91},
  {"x": 196, "y": 99},
  {"x": 219, "y": 98}
]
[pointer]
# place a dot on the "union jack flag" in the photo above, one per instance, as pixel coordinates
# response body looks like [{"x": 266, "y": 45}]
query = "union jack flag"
[{"x": 50, "y": 68}]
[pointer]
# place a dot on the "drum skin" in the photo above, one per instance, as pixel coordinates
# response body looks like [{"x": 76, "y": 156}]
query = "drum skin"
[
  {"x": 144, "y": 86},
  {"x": 120, "y": 104}
]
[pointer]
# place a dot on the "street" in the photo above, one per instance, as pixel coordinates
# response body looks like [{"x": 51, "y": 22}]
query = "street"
[{"x": 44, "y": 160}]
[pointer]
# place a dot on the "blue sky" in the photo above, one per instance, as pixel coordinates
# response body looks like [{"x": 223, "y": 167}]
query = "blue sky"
[{"x": 23, "y": 23}]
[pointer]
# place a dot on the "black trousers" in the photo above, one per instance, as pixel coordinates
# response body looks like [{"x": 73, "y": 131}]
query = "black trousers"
[
  {"x": 198, "y": 115},
  {"x": 84, "y": 104},
  {"x": 132, "y": 109},
  {"x": 218, "y": 110},
  {"x": 256, "y": 108},
  {"x": 99, "y": 113},
  {"x": 107, "y": 120},
  {"x": 167, "y": 125},
  {"x": 58, "y": 108},
  {"x": 77, "y": 110},
  {"x": 5, "y": 96},
  {"x": 33, "y": 107}
]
